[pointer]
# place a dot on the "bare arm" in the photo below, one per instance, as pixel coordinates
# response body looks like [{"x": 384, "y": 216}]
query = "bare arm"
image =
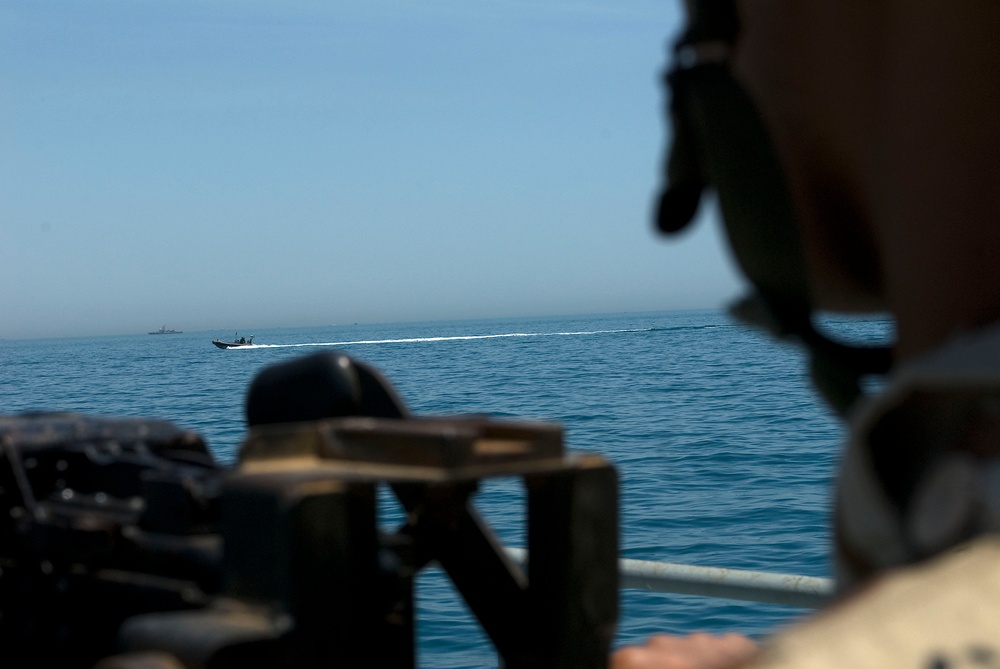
[{"x": 697, "y": 651}]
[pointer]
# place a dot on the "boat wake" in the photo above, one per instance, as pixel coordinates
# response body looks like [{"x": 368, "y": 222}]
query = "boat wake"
[{"x": 422, "y": 340}]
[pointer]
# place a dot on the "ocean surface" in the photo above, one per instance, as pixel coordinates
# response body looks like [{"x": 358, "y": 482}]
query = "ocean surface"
[{"x": 726, "y": 457}]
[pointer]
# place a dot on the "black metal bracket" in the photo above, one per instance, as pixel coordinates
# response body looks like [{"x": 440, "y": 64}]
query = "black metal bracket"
[{"x": 310, "y": 579}]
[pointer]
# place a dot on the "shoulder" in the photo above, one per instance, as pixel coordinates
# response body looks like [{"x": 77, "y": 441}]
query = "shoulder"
[{"x": 944, "y": 612}]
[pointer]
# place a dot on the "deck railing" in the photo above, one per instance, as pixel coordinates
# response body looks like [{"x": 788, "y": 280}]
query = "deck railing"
[{"x": 757, "y": 586}]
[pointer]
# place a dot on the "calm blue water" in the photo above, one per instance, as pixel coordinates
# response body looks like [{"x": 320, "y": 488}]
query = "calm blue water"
[{"x": 726, "y": 457}]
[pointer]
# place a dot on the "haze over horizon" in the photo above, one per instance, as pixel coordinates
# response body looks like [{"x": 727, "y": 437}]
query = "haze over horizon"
[{"x": 232, "y": 165}]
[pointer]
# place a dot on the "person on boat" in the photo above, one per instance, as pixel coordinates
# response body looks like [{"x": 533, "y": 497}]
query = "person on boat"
[
  {"x": 855, "y": 150},
  {"x": 243, "y": 340}
]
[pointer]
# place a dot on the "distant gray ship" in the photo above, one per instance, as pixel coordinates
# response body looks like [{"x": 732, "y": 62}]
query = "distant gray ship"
[{"x": 164, "y": 330}]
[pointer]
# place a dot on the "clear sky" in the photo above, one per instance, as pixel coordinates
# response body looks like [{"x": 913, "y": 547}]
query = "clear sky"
[{"x": 236, "y": 164}]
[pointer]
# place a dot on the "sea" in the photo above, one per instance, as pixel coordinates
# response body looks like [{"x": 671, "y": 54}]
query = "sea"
[{"x": 725, "y": 455}]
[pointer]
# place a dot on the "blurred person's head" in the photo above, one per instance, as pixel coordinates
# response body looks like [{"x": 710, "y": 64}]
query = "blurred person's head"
[{"x": 884, "y": 120}]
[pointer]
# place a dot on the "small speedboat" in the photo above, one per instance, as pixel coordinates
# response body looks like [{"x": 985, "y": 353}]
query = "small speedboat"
[{"x": 239, "y": 342}]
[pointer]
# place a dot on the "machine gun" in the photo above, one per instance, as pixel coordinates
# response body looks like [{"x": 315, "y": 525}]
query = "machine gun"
[{"x": 126, "y": 545}]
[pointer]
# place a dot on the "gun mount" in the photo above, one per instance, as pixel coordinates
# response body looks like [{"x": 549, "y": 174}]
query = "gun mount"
[{"x": 126, "y": 546}]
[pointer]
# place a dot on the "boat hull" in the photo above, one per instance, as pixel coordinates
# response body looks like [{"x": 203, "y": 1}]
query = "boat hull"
[{"x": 230, "y": 344}]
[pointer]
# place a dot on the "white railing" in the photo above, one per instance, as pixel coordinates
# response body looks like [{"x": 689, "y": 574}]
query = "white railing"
[{"x": 757, "y": 586}]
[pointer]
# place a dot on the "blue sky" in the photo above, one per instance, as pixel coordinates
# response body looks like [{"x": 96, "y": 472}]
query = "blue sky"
[{"x": 234, "y": 164}]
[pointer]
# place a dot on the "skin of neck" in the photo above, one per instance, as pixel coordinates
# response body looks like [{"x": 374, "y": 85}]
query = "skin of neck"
[{"x": 886, "y": 116}]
